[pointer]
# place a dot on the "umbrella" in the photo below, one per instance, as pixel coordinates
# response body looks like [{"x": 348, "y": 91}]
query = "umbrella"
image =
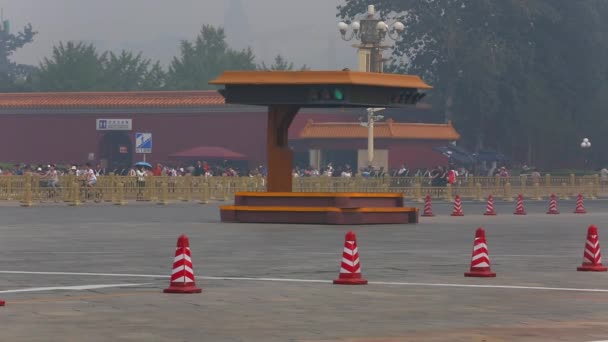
[
  {"x": 144, "y": 164},
  {"x": 456, "y": 154}
]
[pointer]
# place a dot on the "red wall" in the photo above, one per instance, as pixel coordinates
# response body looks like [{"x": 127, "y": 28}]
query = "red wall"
[
  {"x": 414, "y": 153},
  {"x": 68, "y": 138}
]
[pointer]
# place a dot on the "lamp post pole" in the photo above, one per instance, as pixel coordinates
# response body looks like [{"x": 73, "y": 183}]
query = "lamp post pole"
[
  {"x": 585, "y": 145},
  {"x": 370, "y": 138},
  {"x": 371, "y": 118}
]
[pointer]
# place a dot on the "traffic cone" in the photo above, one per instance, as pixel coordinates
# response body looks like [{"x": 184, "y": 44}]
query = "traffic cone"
[
  {"x": 519, "y": 208},
  {"x": 428, "y": 207},
  {"x": 592, "y": 257},
  {"x": 480, "y": 260},
  {"x": 580, "y": 206},
  {"x": 553, "y": 206},
  {"x": 182, "y": 277},
  {"x": 2, "y": 302},
  {"x": 490, "y": 207},
  {"x": 457, "y": 207},
  {"x": 350, "y": 269}
]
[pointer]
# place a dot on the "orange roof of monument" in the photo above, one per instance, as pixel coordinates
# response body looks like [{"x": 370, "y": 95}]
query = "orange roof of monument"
[
  {"x": 387, "y": 130},
  {"x": 320, "y": 77},
  {"x": 129, "y": 99}
]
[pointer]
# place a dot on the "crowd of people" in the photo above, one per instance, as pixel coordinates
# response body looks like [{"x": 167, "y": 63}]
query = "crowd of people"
[
  {"x": 88, "y": 173},
  {"x": 437, "y": 176}
]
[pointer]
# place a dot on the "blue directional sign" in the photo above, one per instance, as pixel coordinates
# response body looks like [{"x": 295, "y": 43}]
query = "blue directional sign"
[{"x": 143, "y": 142}]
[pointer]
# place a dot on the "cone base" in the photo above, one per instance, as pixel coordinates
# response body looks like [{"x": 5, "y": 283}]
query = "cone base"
[
  {"x": 427, "y": 215},
  {"x": 457, "y": 214},
  {"x": 592, "y": 268},
  {"x": 490, "y": 214},
  {"x": 553, "y": 212},
  {"x": 523, "y": 213},
  {"x": 182, "y": 289},
  {"x": 580, "y": 212},
  {"x": 480, "y": 274},
  {"x": 359, "y": 281}
]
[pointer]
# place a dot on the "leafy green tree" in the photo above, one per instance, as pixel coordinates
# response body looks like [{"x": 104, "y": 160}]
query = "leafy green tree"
[
  {"x": 73, "y": 66},
  {"x": 13, "y": 75},
  {"x": 127, "y": 72},
  {"x": 206, "y": 58},
  {"x": 76, "y": 66},
  {"x": 280, "y": 63},
  {"x": 523, "y": 77}
]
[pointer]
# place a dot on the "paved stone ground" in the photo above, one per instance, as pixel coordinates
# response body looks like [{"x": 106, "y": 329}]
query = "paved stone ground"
[{"x": 416, "y": 290}]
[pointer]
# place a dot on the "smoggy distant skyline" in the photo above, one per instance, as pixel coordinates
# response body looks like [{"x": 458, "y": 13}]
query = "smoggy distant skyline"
[{"x": 303, "y": 31}]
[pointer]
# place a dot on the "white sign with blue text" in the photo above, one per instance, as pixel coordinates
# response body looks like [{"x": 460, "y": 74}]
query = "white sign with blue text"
[
  {"x": 114, "y": 124},
  {"x": 143, "y": 142}
]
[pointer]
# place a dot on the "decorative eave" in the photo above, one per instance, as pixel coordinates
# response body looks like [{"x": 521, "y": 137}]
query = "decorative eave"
[{"x": 382, "y": 130}]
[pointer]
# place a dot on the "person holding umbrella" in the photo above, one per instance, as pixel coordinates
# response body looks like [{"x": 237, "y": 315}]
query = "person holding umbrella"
[{"x": 141, "y": 174}]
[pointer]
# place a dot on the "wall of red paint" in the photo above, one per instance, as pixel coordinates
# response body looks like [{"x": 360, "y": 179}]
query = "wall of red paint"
[{"x": 69, "y": 138}]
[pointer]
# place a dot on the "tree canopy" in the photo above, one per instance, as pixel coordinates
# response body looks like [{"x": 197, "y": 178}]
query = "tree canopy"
[
  {"x": 204, "y": 59},
  {"x": 12, "y": 74},
  {"x": 522, "y": 77},
  {"x": 280, "y": 63}
]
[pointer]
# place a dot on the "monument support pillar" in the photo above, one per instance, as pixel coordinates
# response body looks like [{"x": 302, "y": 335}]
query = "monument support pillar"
[{"x": 279, "y": 155}]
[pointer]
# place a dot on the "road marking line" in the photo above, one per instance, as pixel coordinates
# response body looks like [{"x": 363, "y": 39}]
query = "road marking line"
[
  {"x": 90, "y": 274},
  {"x": 73, "y": 298},
  {"x": 292, "y": 280},
  {"x": 71, "y": 288}
]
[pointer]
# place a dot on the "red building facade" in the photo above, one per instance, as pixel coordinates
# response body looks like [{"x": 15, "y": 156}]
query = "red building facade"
[{"x": 66, "y": 128}]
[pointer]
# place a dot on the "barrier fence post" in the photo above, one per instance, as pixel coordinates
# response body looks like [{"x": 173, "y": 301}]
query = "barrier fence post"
[
  {"x": 478, "y": 192},
  {"x": 120, "y": 194},
  {"x": 27, "y": 191},
  {"x": 507, "y": 193},
  {"x": 9, "y": 187},
  {"x": 164, "y": 192},
  {"x": 596, "y": 187},
  {"x": 523, "y": 182},
  {"x": 573, "y": 190},
  {"x": 591, "y": 191},
  {"x": 418, "y": 193},
  {"x": 187, "y": 189},
  {"x": 564, "y": 194},
  {"x": 448, "y": 192},
  {"x": 75, "y": 194},
  {"x": 536, "y": 194},
  {"x": 204, "y": 190},
  {"x": 112, "y": 189},
  {"x": 548, "y": 186}
]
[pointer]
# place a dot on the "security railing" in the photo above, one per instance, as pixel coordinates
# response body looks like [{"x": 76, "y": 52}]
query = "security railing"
[{"x": 31, "y": 189}]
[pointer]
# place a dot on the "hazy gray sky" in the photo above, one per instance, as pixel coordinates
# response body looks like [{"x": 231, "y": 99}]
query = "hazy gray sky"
[{"x": 302, "y": 30}]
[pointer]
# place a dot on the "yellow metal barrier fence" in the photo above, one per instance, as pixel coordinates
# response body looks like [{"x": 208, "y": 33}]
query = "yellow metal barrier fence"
[{"x": 32, "y": 189}]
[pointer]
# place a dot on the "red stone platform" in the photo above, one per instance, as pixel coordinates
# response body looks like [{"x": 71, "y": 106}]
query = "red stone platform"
[{"x": 319, "y": 208}]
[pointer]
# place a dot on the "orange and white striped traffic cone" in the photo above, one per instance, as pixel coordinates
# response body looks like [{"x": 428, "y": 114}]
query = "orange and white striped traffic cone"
[
  {"x": 519, "y": 207},
  {"x": 580, "y": 206},
  {"x": 592, "y": 257},
  {"x": 182, "y": 277},
  {"x": 350, "y": 268},
  {"x": 428, "y": 207},
  {"x": 480, "y": 260},
  {"x": 490, "y": 207},
  {"x": 553, "y": 206},
  {"x": 457, "y": 207}
]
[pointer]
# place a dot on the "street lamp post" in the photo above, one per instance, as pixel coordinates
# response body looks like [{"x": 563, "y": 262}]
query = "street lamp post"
[
  {"x": 371, "y": 118},
  {"x": 371, "y": 31},
  {"x": 585, "y": 145}
]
